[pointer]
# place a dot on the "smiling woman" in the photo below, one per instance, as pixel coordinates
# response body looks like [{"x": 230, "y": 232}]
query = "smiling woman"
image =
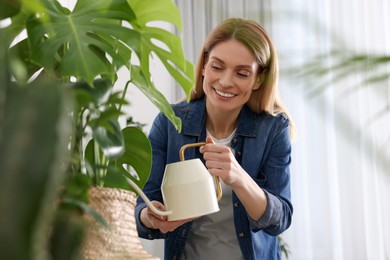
[
  {"x": 235, "y": 109},
  {"x": 341, "y": 105}
]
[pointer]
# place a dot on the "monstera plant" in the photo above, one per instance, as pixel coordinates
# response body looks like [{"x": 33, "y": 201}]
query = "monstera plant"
[
  {"x": 68, "y": 59},
  {"x": 85, "y": 47}
]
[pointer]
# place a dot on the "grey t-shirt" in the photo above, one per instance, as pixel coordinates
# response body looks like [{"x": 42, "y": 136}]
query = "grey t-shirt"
[{"x": 213, "y": 236}]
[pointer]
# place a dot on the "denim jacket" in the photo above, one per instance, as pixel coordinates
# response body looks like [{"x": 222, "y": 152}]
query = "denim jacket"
[{"x": 262, "y": 147}]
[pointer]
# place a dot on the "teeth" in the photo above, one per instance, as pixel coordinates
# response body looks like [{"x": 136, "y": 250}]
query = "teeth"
[{"x": 227, "y": 95}]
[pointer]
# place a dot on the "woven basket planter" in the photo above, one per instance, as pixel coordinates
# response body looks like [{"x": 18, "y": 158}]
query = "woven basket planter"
[{"x": 121, "y": 240}]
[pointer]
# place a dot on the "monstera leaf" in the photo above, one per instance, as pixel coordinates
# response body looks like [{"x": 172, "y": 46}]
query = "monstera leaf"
[
  {"x": 95, "y": 28},
  {"x": 146, "y": 86},
  {"x": 173, "y": 58},
  {"x": 98, "y": 37},
  {"x": 9, "y": 8},
  {"x": 84, "y": 47},
  {"x": 77, "y": 41},
  {"x": 135, "y": 163}
]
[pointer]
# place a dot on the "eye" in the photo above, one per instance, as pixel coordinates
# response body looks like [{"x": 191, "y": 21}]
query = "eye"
[
  {"x": 215, "y": 67},
  {"x": 243, "y": 74}
]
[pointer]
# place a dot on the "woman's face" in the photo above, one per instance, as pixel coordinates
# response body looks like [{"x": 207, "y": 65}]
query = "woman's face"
[{"x": 229, "y": 76}]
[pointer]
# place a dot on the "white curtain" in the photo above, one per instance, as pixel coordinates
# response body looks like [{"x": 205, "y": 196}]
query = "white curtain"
[{"x": 341, "y": 159}]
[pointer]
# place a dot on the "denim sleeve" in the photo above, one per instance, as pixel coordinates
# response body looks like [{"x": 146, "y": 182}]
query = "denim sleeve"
[
  {"x": 152, "y": 190},
  {"x": 276, "y": 170},
  {"x": 143, "y": 231}
]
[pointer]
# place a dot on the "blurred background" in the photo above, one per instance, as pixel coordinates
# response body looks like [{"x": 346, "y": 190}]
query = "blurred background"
[
  {"x": 335, "y": 68},
  {"x": 334, "y": 59}
]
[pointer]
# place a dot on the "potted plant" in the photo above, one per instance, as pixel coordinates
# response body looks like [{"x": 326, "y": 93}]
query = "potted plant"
[{"x": 81, "y": 50}]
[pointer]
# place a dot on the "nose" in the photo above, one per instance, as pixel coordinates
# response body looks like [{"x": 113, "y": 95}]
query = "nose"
[{"x": 226, "y": 79}]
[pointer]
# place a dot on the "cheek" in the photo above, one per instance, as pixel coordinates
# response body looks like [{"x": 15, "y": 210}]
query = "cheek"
[
  {"x": 205, "y": 85},
  {"x": 209, "y": 76}
]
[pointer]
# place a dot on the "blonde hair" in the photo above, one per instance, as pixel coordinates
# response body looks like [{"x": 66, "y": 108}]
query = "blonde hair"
[{"x": 256, "y": 39}]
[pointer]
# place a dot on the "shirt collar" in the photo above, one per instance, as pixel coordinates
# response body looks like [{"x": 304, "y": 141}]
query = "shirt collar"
[{"x": 194, "y": 123}]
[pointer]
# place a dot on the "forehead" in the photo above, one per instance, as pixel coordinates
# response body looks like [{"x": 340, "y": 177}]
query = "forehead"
[{"x": 232, "y": 52}]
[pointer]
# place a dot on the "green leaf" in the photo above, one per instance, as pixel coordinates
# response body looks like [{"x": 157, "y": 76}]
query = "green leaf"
[
  {"x": 171, "y": 51},
  {"x": 9, "y": 8},
  {"x": 116, "y": 178},
  {"x": 35, "y": 132},
  {"x": 10, "y": 32},
  {"x": 138, "y": 154},
  {"x": 146, "y": 86},
  {"x": 76, "y": 186},
  {"x": 151, "y": 10},
  {"x": 180, "y": 69},
  {"x": 19, "y": 54},
  {"x": 87, "y": 209},
  {"x": 79, "y": 34},
  {"x": 92, "y": 40},
  {"x": 67, "y": 234},
  {"x": 98, "y": 94},
  {"x": 110, "y": 139}
]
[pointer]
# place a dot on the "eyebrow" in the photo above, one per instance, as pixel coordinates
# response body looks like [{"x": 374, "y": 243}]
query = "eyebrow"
[{"x": 239, "y": 66}]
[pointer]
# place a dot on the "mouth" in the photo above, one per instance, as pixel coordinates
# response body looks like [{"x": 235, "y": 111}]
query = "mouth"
[{"x": 224, "y": 94}]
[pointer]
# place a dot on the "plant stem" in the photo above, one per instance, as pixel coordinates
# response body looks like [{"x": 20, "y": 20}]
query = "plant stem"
[
  {"x": 124, "y": 94},
  {"x": 97, "y": 162}
]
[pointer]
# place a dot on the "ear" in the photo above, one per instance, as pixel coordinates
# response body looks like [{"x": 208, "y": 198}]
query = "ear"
[
  {"x": 259, "y": 81},
  {"x": 257, "y": 85}
]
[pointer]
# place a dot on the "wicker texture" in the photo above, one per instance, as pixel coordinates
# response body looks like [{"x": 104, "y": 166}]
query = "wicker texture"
[{"x": 121, "y": 240}]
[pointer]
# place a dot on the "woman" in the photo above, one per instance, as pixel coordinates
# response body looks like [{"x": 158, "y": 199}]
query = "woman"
[{"x": 235, "y": 108}]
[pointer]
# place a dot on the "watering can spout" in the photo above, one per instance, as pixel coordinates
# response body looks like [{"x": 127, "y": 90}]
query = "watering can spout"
[{"x": 147, "y": 201}]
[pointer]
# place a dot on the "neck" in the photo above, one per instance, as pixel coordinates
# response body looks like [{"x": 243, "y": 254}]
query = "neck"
[{"x": 221, "y": 125}]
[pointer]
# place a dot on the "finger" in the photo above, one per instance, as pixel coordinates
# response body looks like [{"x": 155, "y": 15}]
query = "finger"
[
  {"x": 156, "y": 216},
  {"x": 216, "y": 148},
  {"x": 209, "y": 140},
  {"x": 217, "y": 172},
  {"x": 151, "y": 219},
  {"x": 170, "y": 226},
  {"x": 167, "y": 226},
  {"x": 159, "y": 206},
  {"x": 214, "y": 156}
]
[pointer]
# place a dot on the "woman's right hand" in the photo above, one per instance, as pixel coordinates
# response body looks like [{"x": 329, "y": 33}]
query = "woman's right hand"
[{"x": 155, "y": 221}]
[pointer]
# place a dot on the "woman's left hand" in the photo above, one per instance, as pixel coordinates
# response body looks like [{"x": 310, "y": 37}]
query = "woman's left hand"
[{"x": 221, "y": 162}]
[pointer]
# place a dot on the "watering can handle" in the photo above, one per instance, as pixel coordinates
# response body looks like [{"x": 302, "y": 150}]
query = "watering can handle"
[{"x": 217, "y": 181}]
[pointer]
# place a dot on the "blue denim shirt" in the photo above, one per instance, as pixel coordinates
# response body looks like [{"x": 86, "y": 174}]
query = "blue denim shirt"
[{"x": 262, "y": 147}]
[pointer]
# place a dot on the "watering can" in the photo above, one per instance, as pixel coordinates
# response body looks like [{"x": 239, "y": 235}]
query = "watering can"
[{"x": 187, "y": 188}]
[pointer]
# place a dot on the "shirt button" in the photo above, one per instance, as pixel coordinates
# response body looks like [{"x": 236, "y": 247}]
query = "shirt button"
[
  {"x": 241, "y": 234},
  {"x": 150, "y": 236},
  {"x": 239, "y": 153},
  {"x": 236, "y": 205}
]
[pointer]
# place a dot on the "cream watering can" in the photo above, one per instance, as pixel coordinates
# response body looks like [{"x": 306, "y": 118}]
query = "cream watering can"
[{"x": 187, "y": 189}]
